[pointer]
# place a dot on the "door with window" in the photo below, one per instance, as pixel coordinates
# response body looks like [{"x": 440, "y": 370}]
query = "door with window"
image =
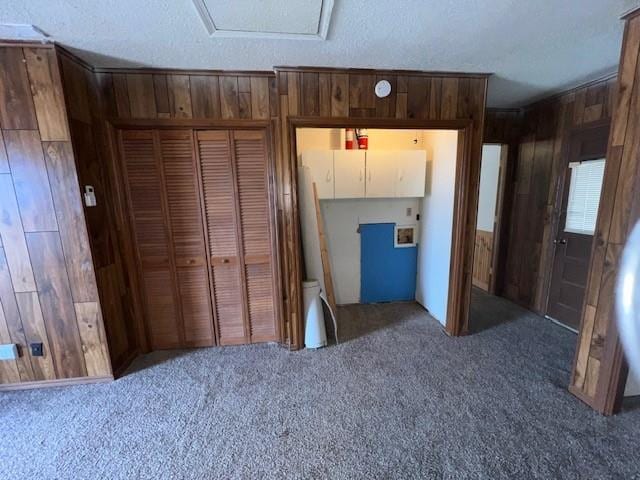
[{"x": 576, "y": 225}]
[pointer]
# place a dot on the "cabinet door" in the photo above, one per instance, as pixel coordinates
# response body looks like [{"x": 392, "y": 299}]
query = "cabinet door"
[
  {"x": 411, "y": 170},
  {"x": 219, "y": 200},
  {"x": 320, "y": 163},
  {"x": 187, "y": 236},
  {"x": 380, "y": 175},
  {"x": 251, "y": 170},
  {"x": 348, "y": 167},
  {"x": 146, "y": 209}
]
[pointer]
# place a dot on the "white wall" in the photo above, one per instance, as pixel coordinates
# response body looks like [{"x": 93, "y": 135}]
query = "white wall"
[
  {"x": 633, "y": 385},
  {"x": 436, "y": 223},
  {"x": 341, "y": 221},
  {"x": 489, "y": 172},
  {"x": 342, "y": 217}
]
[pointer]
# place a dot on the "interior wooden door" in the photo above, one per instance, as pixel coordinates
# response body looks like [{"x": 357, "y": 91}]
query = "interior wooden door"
[
  {"x": 257, "y": 246},
  {"x": 185, "y": 221},
  {"x": 220, "y": 208},
  {"x": 143, "y": 180}
]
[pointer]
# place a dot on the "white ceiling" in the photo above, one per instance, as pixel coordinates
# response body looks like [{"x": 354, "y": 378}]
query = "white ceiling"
[{"x": 533, "y": 47}]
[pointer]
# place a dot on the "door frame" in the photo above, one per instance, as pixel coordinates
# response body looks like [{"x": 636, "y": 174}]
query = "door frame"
[
  {"x": 465, "y": 198},
  {"x": 498, "y": 215},
  {"x": 558, "y": 198},
  {"x": 113, "y": 125}
]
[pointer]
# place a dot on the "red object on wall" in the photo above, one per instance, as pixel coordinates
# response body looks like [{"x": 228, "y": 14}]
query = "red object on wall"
[
  {"x": 348, "y": 142},
  {"x": 363, "y": 138}
]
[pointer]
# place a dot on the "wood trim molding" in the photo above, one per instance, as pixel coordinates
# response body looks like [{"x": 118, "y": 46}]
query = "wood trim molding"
[
  {"x": 173, "y": 123},
  {"x": 63, "y": 382},
  {"x": 373, "y": 71},
  {"x": 463, "y": 237},
  {"x": 550, "y": 97}
]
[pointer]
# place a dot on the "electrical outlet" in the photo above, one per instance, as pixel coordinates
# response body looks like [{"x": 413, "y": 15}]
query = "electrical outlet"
[
  {"x": 37, "y": 349},
  {"x": 409, "y": 210}
]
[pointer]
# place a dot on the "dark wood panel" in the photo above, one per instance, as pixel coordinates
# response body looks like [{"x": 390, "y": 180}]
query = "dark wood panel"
[
  {"x": 30, "y": 180},
  {"x": 205, "y": 96},
  {"x": 16, "y": 104},
  {"x": 45, "y": 250},
  {"x": 179, "y": 96},
  {"x": 229, "y": 102},
  {"x": 142, "y": 99}
]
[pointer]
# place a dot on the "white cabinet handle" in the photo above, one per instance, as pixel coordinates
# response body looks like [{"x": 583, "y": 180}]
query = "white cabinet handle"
[
  {"x": 328, "y": 175},
  {"x": 400, "y": 174}
]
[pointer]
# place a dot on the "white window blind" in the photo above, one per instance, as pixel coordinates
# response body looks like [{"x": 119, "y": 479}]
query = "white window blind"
[{"x": 584, "y": 196}]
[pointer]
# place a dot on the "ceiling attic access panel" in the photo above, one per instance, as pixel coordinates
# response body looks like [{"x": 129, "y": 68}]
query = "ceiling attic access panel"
[{"x": 300, "y": 20}]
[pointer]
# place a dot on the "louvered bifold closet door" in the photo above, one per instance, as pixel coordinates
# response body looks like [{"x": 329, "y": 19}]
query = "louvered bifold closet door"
[
  {"x": 187, "y": 235},
  {"x": 220, "y": 207},
  {"x": 251, "y": 168},
  {"x": 146, "y": 205}
]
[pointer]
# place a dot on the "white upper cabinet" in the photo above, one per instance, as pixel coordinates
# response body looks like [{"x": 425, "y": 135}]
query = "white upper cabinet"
[
  {"x": 381, "y": 173},
  {"x": 367, "y": 173},
  {"x": 320, "y": 163},
  {"x": 411, "y": 171},
  {"x": 349, "y": 170}
]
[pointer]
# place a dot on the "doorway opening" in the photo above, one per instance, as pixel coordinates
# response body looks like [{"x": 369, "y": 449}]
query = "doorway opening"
[{"x": 385, "y": 219}]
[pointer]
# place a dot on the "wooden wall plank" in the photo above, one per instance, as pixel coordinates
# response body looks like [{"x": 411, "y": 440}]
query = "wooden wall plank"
[
  {"x": 30, "y": 180},
  {"x": 68, "y": 206},
  {"x": 45, "y": 250},
  {"x": 161, "y": 93},
  {"x": 121, "y": 90},
  {"x": 75, "y": 76},
  {"x": 13, "y": 238},
  {"x": 16, "y": 104},
  {"x": 260, "y": 98},
  {"x": 339, "y": 95},
  {"x": 244, "y": 105},
  {"x": 324, "y": 94},
  {"x": 36, "y": 332},
  {"x": 142, "y": 99},
  {"x": 12, "y": 318},
  {"x": 94, "y": 343},
  {"x": 106, "y": 95},
  {"x": 179, "y": 96},
  {"x": 48, "y": 98},
  {"x": 310, "y": 94},
  {"x": 8, "y": 368},
  {"x": 205, "y": 96},
  {"x": 229, "y": 103}
]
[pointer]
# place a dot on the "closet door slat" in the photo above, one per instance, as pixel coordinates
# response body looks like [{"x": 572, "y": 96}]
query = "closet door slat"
[
  {"x": 214, "y": 150},
  {"x": 251, "y": 162},
  {"x": 144, "y": 191},
  {"x": 187, "y": 236}
]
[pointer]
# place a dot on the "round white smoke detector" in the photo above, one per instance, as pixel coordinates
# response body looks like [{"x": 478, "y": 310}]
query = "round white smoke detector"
[{"x": 383, "y": 89}]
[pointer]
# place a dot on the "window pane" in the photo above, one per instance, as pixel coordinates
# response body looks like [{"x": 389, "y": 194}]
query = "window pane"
[{"x": 584, "y": 196}]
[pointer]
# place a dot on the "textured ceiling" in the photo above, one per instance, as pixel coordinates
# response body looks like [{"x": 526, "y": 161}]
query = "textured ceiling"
[{"x": 533, "y": 47}]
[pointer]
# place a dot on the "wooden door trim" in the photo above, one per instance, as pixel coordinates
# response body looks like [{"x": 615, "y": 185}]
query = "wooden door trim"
[{"x": 463, "y": 237}]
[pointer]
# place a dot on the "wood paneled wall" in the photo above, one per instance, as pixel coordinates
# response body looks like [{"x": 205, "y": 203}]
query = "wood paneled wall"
[
  {"x": 105, "y": 221},
  {"x": 349, "y": 94},
  {"x": 600, "y": 371},
  {"x": 541, "y": 162},
  {"x": 48, "y": 290},
  {"x": 206, "y": 95}
]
